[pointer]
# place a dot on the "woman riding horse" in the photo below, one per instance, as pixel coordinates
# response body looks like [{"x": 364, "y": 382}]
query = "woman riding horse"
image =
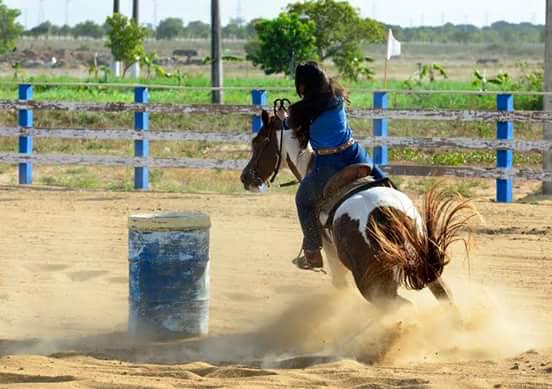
[{"x": 320, "y": 118}]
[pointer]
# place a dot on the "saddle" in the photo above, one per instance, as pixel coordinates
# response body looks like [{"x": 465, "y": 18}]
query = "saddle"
[{"x": 346, "y": 183}]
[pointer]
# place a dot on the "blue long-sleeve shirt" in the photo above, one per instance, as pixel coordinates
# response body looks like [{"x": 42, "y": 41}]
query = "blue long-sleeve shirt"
[{"x": 331, "y": 128}]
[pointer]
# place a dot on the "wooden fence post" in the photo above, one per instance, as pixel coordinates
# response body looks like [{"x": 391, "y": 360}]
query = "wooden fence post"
[
  {"x": 25, "y": 120},
  {"x": 380, "y": 129},
  {"x": 141, "y": 146},
  {"x": 504, "y": 157},
  {"x": 259, "y": 98}
]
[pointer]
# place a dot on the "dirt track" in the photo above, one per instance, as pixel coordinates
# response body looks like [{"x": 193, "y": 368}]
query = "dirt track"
[{"x": 63, "y": 303}]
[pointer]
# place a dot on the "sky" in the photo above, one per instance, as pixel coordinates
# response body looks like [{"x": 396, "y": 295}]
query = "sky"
[{"x": 403, "y": 12}]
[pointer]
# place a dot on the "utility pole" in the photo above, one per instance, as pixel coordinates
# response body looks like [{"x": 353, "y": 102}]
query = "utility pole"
[
  {"x": 136, "y": 10},
  {"x": 547, "y": 155},
  {"x": 217, "y": 96},
  {"x": 67, "y": 12},
  {"x": 41, "y": 17},
  {"x": 116, "y": 65},
  {"x": 135, "y": 68},
  {"x": 155, "y": 7}
]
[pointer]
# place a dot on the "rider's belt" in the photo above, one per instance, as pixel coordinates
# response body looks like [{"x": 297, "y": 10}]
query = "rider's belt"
[{"x": 335, "y": 150}]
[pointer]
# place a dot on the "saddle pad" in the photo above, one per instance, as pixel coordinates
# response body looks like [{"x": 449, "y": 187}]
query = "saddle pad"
[{"x": 328, "y": 206}]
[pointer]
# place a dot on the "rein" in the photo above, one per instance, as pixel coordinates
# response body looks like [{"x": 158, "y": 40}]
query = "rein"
[{"x": 280, "y": 104}]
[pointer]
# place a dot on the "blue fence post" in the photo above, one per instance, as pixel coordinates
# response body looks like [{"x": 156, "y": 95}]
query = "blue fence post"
[
  {"x": 141, "y": 146},
  {"x": 504, "y": 157},
  {"x": 25, "y": 120},
  {"x": 380, "y": 129},
  {"x": 259, "y": 97}
]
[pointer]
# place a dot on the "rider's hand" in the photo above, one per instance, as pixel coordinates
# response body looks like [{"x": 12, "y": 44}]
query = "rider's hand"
[{"x": 282, "y": 114}]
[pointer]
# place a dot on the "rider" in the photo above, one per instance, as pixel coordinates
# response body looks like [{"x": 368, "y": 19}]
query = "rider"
[{"x": 320, "y": 118}]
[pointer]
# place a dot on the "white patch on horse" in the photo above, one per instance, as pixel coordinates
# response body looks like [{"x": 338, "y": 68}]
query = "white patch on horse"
[
  {"x": 360, "y": 206},
  {"x": 299, "y": 157}
]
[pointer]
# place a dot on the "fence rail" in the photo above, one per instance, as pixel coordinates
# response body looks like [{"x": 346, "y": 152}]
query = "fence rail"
[
  {"x": 504, "y": 144},
  {"x": 197, "y": 163},
  {"x": 434, "y": 143},
  {"x": 113, "y": 134},
  {"x": 395, "y": 114},
  {"x": 468, "y": 92}
]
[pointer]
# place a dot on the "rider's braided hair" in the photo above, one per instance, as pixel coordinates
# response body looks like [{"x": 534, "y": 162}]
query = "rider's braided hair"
[{"x": 318, "y": 93}]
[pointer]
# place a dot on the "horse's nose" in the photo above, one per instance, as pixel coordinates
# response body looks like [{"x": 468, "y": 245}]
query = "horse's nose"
[{"x": 243, "y": 177}]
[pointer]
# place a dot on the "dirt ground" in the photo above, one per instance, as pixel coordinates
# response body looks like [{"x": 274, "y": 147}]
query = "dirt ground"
[{"x": 64, "y": 290}]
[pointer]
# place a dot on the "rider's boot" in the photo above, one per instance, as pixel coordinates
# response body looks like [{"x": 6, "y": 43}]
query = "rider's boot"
[{"x": 314, "y": 259}]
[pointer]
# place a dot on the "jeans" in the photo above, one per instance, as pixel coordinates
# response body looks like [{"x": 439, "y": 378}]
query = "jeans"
[{"x": 310, "y": 190}]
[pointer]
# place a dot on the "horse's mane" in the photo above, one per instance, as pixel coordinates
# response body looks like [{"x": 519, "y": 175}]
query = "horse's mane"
[{"x": 419, "y": 257}]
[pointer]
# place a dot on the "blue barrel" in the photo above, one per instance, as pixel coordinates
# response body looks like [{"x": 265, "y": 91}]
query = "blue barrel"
[{"x": 168, "y": 274}]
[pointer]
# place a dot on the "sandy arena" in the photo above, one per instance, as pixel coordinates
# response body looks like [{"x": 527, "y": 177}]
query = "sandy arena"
[{"x": 64, "y": 290}]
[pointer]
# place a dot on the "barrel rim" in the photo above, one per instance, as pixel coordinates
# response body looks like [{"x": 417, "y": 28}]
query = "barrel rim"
[{"x": 168, "y": 221}]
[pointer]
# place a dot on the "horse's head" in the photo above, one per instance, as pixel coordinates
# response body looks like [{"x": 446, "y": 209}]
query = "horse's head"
[{"x": 265, "y": 154}]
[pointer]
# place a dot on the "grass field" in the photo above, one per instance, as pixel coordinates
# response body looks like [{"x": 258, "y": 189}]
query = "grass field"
[{"x": 192, "y": 89}]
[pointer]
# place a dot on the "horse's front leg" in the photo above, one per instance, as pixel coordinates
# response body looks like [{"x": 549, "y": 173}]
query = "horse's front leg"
[
  {"x": 441, "y": 291},
  {"x": 443, "y": 294},
  {"x": 338, "y": 271}
]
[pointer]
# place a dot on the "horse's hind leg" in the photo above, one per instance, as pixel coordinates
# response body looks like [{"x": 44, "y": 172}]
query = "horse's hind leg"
[
  {"x": 377, "y": 285},
  {"x": 381, "y": 291}
]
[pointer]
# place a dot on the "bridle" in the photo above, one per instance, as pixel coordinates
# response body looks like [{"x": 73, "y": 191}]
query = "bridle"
[{"x": 278, "y": 104}]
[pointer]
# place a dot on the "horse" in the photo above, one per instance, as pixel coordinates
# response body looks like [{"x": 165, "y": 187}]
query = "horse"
[{"x": 377, "y": 234}]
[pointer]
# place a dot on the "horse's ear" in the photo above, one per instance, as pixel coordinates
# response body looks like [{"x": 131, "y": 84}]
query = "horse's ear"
[{"x": 265, "y": 117}]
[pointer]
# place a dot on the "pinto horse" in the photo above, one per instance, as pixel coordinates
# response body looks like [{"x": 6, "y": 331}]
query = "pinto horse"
[{"x": 377, "y": 234}]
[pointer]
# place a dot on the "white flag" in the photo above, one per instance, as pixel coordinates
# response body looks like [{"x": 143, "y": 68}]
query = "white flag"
[{"x": 393, "y": 46}]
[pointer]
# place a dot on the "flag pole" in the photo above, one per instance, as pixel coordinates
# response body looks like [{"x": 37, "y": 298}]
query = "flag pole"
[{"x": 385, "y": 74}]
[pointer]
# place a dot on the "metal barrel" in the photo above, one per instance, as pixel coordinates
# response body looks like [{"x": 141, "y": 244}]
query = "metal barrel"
[{"x": 168, "y": 274}]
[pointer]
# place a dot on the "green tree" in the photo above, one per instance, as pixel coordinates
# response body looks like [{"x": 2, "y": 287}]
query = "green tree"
[
  {"x": 235, "y": 29},
  {"x": 9, "y": 28},
  {"x": 281, "y": 42},
  {"x": 65, "y": 30},
  {"x": 197, "y": 29},
  {"x": 250, "y": 31},
  {"x": 340, "y": 32},
  {"x": 44, "y": 28},
  {"x": 126, "y": 40},
  {"x": 169, "y": 28},
  {"x": 88, "y": 29}
]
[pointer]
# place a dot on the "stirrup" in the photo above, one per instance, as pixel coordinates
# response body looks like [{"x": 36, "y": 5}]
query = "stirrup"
[{"x": 302, "y": 263}]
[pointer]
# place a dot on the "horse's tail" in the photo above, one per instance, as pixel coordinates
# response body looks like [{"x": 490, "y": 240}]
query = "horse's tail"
[{"x": 419, "y": 257}]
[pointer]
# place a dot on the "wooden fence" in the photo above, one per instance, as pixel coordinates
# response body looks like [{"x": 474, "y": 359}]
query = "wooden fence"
[{"x": 504, "y": 144}]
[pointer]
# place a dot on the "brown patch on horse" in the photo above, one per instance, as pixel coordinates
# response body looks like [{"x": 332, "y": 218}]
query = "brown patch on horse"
[
  {"x": 419, "y": 257},
  {"x": 375, "y": 281}
]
